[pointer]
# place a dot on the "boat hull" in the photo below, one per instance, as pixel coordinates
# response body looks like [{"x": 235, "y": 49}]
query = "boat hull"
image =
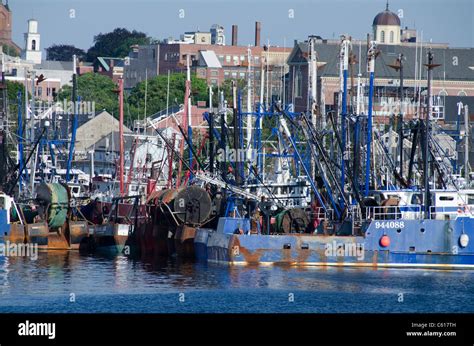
[
  {"x": 109, "y": 238},
  {"x": 412, "y": 244}
]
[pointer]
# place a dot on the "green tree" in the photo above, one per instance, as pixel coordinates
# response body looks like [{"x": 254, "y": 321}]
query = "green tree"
[
  {"x": 157, "y": 92},
  {"x": 226, "y": 87},
  {"x": 12, "y": 94},
  {"x": 116, "y": 44},
  {"x": 94, "y": 87},
  {"x": 10, "y": 50},
  {"x": 64, "y": 52}
]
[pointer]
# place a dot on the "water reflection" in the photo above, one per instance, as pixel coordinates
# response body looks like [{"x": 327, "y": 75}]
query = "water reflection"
[{"x": 35, "y": 285}]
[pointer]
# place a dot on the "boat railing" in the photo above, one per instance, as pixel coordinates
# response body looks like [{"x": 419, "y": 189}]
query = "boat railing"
[
  {"x": 322, "y": 214},
  {"x": 450, "y": 212},
  {"x": 394, "y": 212}
]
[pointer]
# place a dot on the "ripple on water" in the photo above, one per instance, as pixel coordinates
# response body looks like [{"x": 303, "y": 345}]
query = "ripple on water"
[{"x": 117, "y": 285}]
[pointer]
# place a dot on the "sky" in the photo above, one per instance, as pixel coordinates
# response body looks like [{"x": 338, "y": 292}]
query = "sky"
[{"x": 77, "y": 21}]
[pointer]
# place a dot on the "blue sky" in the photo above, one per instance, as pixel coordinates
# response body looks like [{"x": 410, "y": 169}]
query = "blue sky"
[{"x": 447, "y": 21}]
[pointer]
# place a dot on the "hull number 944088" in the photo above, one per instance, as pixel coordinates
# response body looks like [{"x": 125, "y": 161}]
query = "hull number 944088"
[{"x": 389, "y": 224}]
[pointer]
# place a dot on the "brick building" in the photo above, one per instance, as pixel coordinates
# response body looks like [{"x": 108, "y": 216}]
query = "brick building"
[
  {"x": 110, "y": 67},
  {"x": 455, "y": 76},
  {"x": 452, "y": 81},
  {"x": 6, "y": 30},
  {"x": 213, "y": 62}
]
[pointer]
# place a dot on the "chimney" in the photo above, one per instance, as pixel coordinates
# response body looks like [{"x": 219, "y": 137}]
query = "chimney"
[
  {"x": 258, "y": 28},
  {"x": 234, "y": 35}
]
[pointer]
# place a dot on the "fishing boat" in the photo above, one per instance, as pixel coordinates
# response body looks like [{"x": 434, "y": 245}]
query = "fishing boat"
[{"x": 416, "y": 226}]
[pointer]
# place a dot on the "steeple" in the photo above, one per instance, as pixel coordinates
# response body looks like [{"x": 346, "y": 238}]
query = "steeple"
[{"x": 32, "y": 51}]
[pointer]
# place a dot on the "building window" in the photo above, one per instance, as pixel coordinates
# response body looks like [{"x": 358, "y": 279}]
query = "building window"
[
  {"x": 40, "y": 91},
  {"x": 33, "y": 45},
  {"x": 242, "y": 57},
  {"x": 226, "y": 73},
  {"x": 214, "y": 73},
  {"x": 462, "y": 93},
  {"x": 298, "y": 83},
  {"x": 48, "y": 91},
  {"x": 443, "y": 93},
  {"x": 382, "y": 36},
  {"x": 221, "y": 58},
  {"x": 242, "y": 74},
  {"x": 214, "y": 81},
  {"x": 227, "y": 58},
  {"x": 391, "y": 36},
  {"x": 234, "y": 74},
  {"x": 257, "y": 59}
]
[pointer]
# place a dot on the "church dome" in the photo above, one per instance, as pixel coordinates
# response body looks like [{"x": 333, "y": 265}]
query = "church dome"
[{"x": 386, "y": 17}]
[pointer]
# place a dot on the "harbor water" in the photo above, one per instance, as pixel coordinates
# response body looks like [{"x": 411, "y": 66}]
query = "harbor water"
[{"x": 66, "y": 281}]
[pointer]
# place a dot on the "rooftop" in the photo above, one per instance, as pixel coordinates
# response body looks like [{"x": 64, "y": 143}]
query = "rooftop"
[
  {"x": 386, "y": 17},
  {"x": 55, "y": 65},
  {"x": 329, "y": 54}
]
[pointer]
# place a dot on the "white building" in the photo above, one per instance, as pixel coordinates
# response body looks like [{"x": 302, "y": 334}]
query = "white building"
[
  {"x": 32, "y": 51},
  {"x": 386, "y": 27},
  {"x": 56, "y": 74},
  {"x": 217, "y": 35}
]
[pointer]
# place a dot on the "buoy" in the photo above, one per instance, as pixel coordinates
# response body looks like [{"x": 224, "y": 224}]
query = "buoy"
[
  {"x": 385, "y": 241},
  {"x": 464, "y": 240}
]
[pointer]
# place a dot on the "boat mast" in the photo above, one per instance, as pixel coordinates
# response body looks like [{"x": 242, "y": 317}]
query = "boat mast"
[
  {"x": 371, "y": 55},
  {"x": 312, "y": 87},
  {"x": 426, "y": 148},
  {"x": 121, "y": 164},
  {"x": 345, "y": 46},
  {"x": 466, "y": 143},
  {"x": 74, "y": 120},
  {"x": 398, "y": 66},
  {"x": 249, "y": 100},
  {"x": 401, "y": 128},
  {"x": 20, "y": 143},
  {"x": 359, "y": 84},
  {"x": 187, "y": 105},
  {"x": 31, "y": 126}
]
